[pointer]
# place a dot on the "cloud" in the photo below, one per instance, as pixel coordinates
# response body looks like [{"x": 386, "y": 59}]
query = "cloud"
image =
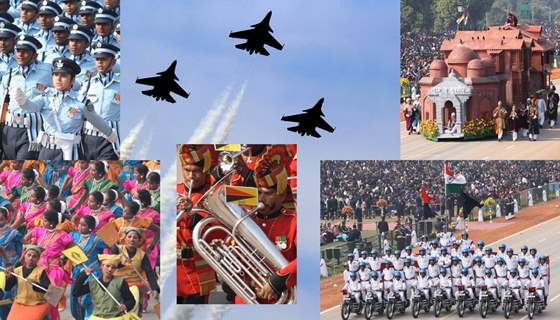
[{"x": 143, "y": 152}]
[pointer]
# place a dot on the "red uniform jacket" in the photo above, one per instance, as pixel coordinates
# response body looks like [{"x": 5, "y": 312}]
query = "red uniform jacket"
[
  {"x": 194, "y": 275},
  {"x": 282, "y": 231}
]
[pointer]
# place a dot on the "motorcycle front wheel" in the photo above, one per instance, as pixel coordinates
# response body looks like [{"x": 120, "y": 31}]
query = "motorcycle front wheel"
[{"x": 345, "y": 311}]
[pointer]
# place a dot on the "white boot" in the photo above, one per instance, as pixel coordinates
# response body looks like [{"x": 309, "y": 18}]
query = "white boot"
[
  {"x": 536, "y": 136},
  {"x": 524, "y": 132},
  {"x": 515, "y": 136},
  {"x": 530, "y": 136},
  {"x": 552, "y": 123}
]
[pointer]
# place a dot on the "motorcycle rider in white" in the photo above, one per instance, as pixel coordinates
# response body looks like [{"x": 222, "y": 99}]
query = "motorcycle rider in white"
[
  {"x": 533, "y": 258},
  {"x": 399, "y": 285},
  {"x": 422, "y": 259},
  {"x": 523, "y": 270},
  {"x": 501, "y": 275},
  {"x": 466, "y": 258},
  {"x": 489, "y": 259},
  {"x": 445, "y": 282},
  {"x": 433, "y": 271},
  {"x": 511, "y": 259},
  {"x": 543, "y": 271},
  {"x": 467, "y": 281},
  {"x": 478, "y": 271},
  {"x": 455, "y": 272},
  {"x": 536, "y": 281},
  {"x": 491, "y": 283},
  {"x": 524, "y": 252},
  {"x": 434, "y": 249},
  {"x": 409, "y": 272},
  {"x": 374, "y": 261},
  {"x": 388, "y": 275},
  {"x": 424, "y": 283},
  {"x": 354, "y": 287},
  {"x": 363, "y": 274},
  {"x": 501, "y": 251},
  {"x": 466, "y": 243},
  {"x": 398, "y": 262},
  {"x": 515, "y": 284},
  {"x": 444, "y": 259},
  {"x": 376, "y": 285},
  {"x": 480, "y": 249}
]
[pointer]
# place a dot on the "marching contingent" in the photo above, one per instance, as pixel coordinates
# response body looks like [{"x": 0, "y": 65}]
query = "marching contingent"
[{"x": 445, "y": 272}]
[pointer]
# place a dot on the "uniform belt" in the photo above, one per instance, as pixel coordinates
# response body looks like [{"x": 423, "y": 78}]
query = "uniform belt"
[
  {"x": 90, "y": 130},
  {"x": 16, "y": 120},
  {"x": 48, "y": 141},
  {"x": 185, "y": 253}
]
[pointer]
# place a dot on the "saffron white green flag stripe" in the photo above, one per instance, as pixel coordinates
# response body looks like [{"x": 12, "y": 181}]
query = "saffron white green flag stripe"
[{"x": 453, "y": 183}]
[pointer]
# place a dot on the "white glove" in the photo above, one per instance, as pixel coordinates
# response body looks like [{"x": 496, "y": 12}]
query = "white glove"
[
  {"x": 113, "y": 136},
  {"x": 19, "y": 96}
]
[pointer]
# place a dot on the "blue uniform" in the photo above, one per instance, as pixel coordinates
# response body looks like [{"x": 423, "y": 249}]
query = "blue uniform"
[
  {"x": 104, "y": 94},
  {"x": 108, "y": 39},
  {"x": 31, "y": 29},
  {"x": 57, "y": 51},
  {"x": 46, "y": 37},
  {"x": 87, "y": 65},
  {"x": 76, "y": 17},
  {"x": 63, "y": 116},
  {"x": 7, "y": 62},
  {"x": 22, "y": 126}
]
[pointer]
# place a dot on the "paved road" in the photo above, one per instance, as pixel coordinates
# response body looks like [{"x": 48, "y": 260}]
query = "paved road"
[
  {"x": 416, "y": 147},
  {"x": 545, "y": 237}
]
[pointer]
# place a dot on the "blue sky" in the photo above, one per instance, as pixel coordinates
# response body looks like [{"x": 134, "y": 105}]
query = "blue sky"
[{"x": 345, "y": 51}]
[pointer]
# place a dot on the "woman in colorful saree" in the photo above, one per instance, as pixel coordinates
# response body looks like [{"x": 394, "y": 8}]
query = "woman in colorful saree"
[
  {"x": 131, "y": 218},
  {"x": 54, "y": 241},
  {"x": 110, "y": 202},
  {"x": 152, "y": 238},
  {"x": 99, "y": 181},
  {"x": 29, "y": 302},
  {"x": 32, "y": 209},
  {"x": 82, "y": 307},
  {"x": 10, "y": 252},
  {"x": 76, "y": 179},
  {"x": 95, "y": 209},
  {"x": 140, "y": 182}
]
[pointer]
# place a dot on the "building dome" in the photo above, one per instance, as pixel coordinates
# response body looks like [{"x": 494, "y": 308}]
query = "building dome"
[
  {"x": 461, "y": 55},
  {"x": 490, "y": 66},
  {"x": 438, "y": 69},
  {"x": 476, "y": 69}
]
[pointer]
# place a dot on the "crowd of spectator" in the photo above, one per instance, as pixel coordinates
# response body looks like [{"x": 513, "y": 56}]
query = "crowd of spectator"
[{"x": 364, "y": 189}]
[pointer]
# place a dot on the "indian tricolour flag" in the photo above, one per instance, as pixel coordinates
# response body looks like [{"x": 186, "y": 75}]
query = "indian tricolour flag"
[{"x": 454, "y": 183}]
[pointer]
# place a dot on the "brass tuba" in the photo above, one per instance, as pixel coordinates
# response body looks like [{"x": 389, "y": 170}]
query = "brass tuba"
[{"x": 250, "y": 253}]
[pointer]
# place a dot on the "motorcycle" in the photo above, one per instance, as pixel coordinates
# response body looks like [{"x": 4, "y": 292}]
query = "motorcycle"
[
  {"x": 511, "y": 303},
  {"x": 441, "y": 300},
  {"x": 373, "y": 305},
  {"x": 349, "y": 305},
  {"x": 487, "y": 301},
  {"x": 394, "y": 303},
  {"x": 534, "y": 303},
  {"x": 420, "y": 301},
  {"x": 464, "y": 300}
]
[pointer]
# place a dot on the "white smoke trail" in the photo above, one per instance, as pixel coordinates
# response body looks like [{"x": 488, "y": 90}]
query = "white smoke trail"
[
  {"x": 168, "y": 239},
  {"x": 207, "y": 124},
  {"x": 143, "y": 152},
  {"x": 130, "y": 142},
  {"x": 218, "y": 311},
  {"x": 226, "y": 125}
]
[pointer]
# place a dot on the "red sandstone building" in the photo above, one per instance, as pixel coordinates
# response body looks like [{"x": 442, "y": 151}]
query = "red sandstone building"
[{"x": 506, "y": 63}]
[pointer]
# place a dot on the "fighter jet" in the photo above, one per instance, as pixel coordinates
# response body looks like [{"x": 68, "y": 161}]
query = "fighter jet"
[
  {"x": 163, "y": 85},
  {"x": 257, "y": 37},
  {"x": 309, "y": 121}
]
